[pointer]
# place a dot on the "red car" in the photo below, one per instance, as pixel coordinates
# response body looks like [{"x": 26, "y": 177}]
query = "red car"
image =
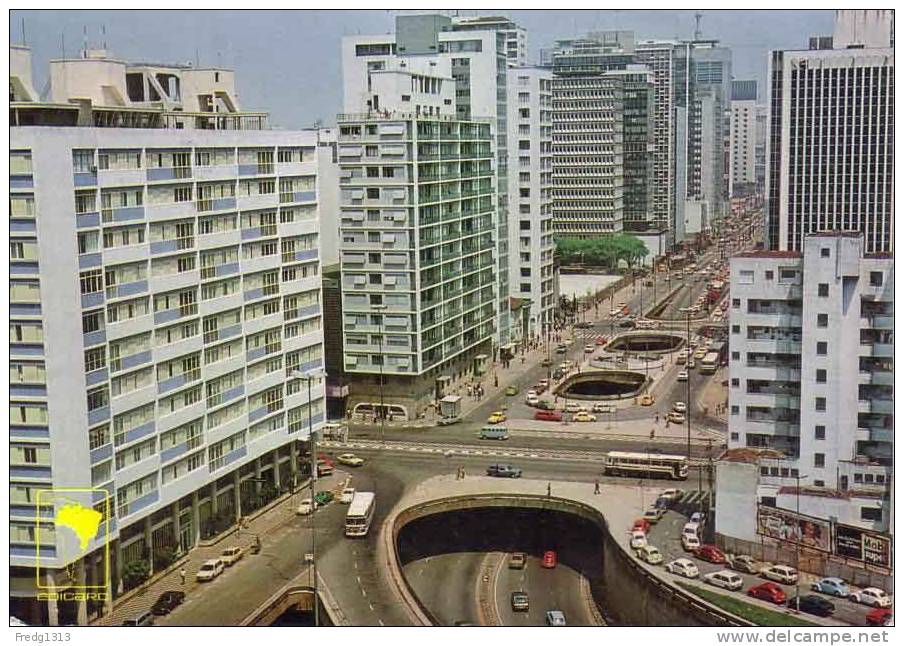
[
  {"x": 549, "y": 559},
  {"x": 710, "y": 553},
  {"x": 641, "y": 525},
  {"x": 601, "y": 340},
  {"x": 879, "y": 617},
  {"x": 768, "y": 591},
  {"x": 548, "y": 416}
]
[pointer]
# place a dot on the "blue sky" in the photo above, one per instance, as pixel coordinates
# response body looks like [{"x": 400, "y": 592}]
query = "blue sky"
[{"x": 287, "y": 62}]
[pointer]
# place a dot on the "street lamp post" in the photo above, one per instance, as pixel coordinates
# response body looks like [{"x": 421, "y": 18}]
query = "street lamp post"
[
  {"x": 688, "y": 389},
  {"x": 797, "y": 545}
]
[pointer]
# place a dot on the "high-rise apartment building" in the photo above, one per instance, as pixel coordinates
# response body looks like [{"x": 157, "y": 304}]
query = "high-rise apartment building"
[
  {"x": 515, "y": 35},
  {"x": 811, "y": 387},
  {"x": 164, "y": 303},
  {"x": 532, "y": 277},
  {"x": 831, "y": 136},
  {"x": 742, "y": 150}
]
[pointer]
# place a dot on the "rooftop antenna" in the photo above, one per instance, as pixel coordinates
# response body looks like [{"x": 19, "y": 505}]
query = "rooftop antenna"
[
  {"x": 698, "y": 18},
  {"x": 63, "y": 45},
  {"x": 85, "y": 41},
  {"x": 24, "y": 41},
  {"x": 103, "y": 31},
  {"x": 197, "y": 58}
]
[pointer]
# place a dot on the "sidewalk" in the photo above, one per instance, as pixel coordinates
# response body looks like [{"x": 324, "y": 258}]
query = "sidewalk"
[{"x": 714, "y": 398}]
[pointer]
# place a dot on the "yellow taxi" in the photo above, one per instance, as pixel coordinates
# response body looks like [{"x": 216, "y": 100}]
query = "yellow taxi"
[
  {"x": 583, "y": 416},
  {"x": 496, "y": 417},
  {"x": 647, "y": 400}
]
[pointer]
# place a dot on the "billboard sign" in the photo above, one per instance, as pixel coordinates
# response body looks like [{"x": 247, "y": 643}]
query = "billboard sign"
[
  {"x": 790, "y": 527},
  {"x": 862, "y": 545}
]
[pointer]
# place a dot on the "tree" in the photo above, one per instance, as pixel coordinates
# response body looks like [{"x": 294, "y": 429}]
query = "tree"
[
  {"x": 135, "y": 573},
  {"x": 601, "y": 251}
]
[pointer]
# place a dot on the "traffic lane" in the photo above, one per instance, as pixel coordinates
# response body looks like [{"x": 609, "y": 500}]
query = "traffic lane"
[
  {"x": 558, "y": 588},
  {"x": 455, "y": 600},
  {"x": 666, "y": 535}
]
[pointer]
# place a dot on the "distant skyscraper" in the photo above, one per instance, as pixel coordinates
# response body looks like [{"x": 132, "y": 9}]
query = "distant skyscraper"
[{"x": 742, "y": 149}]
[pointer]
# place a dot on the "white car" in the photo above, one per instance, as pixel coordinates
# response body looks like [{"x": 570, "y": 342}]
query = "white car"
[
  {"x": 682, "y": 376},
  {"x": 531, "y": 393},
  {"x": 638, "y": 540},
  {"x": 603, "y": 408},
  {"x": 724, "y": 579},
  {"x": 649, "y": 554},
  {"x": 588, "y": 349},
  {"x": 679, "y": 407},
  {"x": 697, "y": 518},
  {"x": 780, "y": 573},
  {"x": 683, "y": 567},
  {"x": 304, "y": 507},
  {"x": 350, "y": 459},
  {"x": 614, "y": 313},
  {"x": 672, "y": 495},
  {"x": 210, "y": 570},
  {"x": 572, "y": 407},
  {"x": 875, "y": 597},
  {"x": 346, "y": 496},
  {"x": 232, "y": 555},
  {"x": 689, "y": 542}
]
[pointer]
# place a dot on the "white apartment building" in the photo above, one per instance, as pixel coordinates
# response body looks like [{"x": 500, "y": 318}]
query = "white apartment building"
[
  {"x": 742, "y": 148},
  {"x": 164, "y": 293},
  {"x": 515, "y": 35},
  {"x": 830, "y": 149},
  {"x": 532, "y": 277},
  {"x": 811, "y": 386},
  {"x": 478, "y": 66}
]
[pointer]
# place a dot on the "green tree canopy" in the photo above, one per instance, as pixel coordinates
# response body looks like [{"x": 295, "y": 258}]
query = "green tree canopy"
[{"x": 603, "y": 251}]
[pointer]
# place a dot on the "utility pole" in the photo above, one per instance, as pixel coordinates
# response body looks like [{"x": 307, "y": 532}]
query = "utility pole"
[{"x": 688, "y": 383}]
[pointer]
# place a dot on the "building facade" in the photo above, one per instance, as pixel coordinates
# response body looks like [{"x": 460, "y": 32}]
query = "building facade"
[
  {"x": 164, "y": 298},
  {"x": 742, "y": 150},
  {"x": 515, "y": 35}
]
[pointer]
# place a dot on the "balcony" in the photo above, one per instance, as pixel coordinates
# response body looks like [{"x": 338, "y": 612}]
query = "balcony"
[
  {"x": 174, "y": 314},
  {"x": 83, "y": 220},
  {"x": 206, "y": 205},
  {"x": 178, "y": 381},
  {"x": 122, "y": 214}
]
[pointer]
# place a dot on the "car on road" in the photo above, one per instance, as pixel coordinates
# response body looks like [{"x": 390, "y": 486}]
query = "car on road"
[
  {"x": 880, "y": 617},
  {"x": 813, "y": 604},
  {"x": 649, "y": 554},
  {"x": 503, "y": 471},
  {"x": 701, "y": 352},
  {"x": 322, "y": 498},
  {"x": 511, "y": 391},
  {"x": 167, "y": 602},
  {"x": 724, "y": 579},
  {"x": 654, "y": 515},
  {"x": 210, "y": 570},
  {"x": 558, "y": 373},
  {"x": 603, "y": 408},
  {"x": 680, "y": 359},
  {"x": 144, "y": 619},
  {"x": 555, "y": 618},
  {"x": 546, "y": 363},
  {"x": 780, "y": 573},
  {"x": 679, "y": 407},
  {"x": 544, "y": 384},
  {"x": 691, "y": 364},
  {"x": 549, "y": 559},
  {"x": 627, "y": 323},
  {"x": 697, "y": 517},
  {"x": 531, "y": 400},
  {"x": 682, "y": 376},
  {"x": 496, "y": 418},
  {"x": 875, "y": 597},
  {"x": 520, "y": 602},
  {"x": 583, "y": 416},
  {"x": 545, "y": 404},
  {"x": 538, "y": 390},
  {"x": 589, "y": 349},
  {"x": 647, "y": 400},
  {"x": 231, "y": 555},
  {"x": 350, "y": 460},
  {"x": 769, "y": 591},
  {"x": 672, "y": 495},
  {"x": 641, "y": 525},
  {"x": 347, "y": 495},
  {"x": 741, "y": 563},
  {"x": 614, "y": 313},
  {"x": 601, "y": 340},
  {"x": 584, "y": 325},
  {"x": 548, "y": 416},
  {"x": 683, "y": 567},
  {"x": 574, "y": 407},
  {"x": 710, "y": 553},
  {"x": 676, "y": 418},
  {"x": 304, "y": 507},
  {"x": 517, "y": 561},
  {"x": 638, "y": 539},
  {"x": 561, "y": 349},
  {"x": 832, "y": 586}
]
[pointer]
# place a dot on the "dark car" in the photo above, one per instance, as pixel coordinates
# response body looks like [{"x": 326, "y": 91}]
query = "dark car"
[
  {"x": 167, "y": 601},
  {"x": 627, "y": 323},
  {"x": 558, "y": 373},
  {"x": 503, "y": 471},
  {"x": 520, "y": 602},
  {"x": 561, "y": 349},
  {"x": 813, "y": 604},
  {"x": 583, "y": 325},
  {"x": 768, "y": 591}
]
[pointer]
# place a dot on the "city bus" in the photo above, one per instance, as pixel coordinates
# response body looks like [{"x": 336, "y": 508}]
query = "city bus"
[
  {"x": 360, "y": 513},
  {"x": 709, "y": 363},
  {"x": 646, "y": 465}
]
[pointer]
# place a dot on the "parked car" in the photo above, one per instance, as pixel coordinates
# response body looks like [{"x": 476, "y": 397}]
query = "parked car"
[
  {"x": 583, "y": 416},
  {"x": 676, "y": 417},
  {"x": 231, "y": 555},
  {"x": 833, "y": 586},
  {"x": 517, "y": 561},
  {"x": 350, "y": 460},
  {"x": 555, "y": 618},
  {"x": 347, "y": 495},
  {"x": 548, "y": 416},
  {"x": 875, "y": 597},
  {"x": 511, "y": 391},
  {"x": 690, "y": 542},
  {"x": 649, "y": 554},
  {"x": 583, "y": 325},
  {"x": 543, "y": 383},
  {"x": 724, "y": 579},
  {"x": 496, "y": 417},
  {"x": 546, "y": 363},
  {"x": 768, "y": 591},
  {"x": 781, "y": 573},
  {"x": 691, "y": 363},
  {"x": 601, "y": 340},
  {"x": 641, "y": 525},
  {"x": 692, "y": 529},
  {"x": 304, "y": 507},
  {"x": 603, "y": 408},
  {"x": 710, "y": 553},
  {"x": 322, "y": 498},
  {"x": 679, "y": 407},
  {"x": 672, "y": 495},
  {"x": 683, "y": 567},
  {"x": 520, "y": 602},
  {"x": 698, "y": 517},
  {"x": 503, "y": 471},
  {"x": 813, "y": 604},
  {"x": 167, "y": 602},
  {"x": 681, "y": 359},
  {"x": 638, "y": 539},
  {"x": 654, "y": 515},
  {"x": 682, "y": 376},
  {"x": 880, "y": 617},
  {"x": 741, "y": 563},
  {"x": 144, "y": 619},
  {"x": 210, "y": 570},
  {"x": 549, "y": 559}
]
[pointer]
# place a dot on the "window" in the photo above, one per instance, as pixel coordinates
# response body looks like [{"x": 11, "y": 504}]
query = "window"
[
  {"x": 819, "y": 460},
  {"x": 825, "y": 252},
  {"x": 822, "y": 320},
  {"x": 373, "y": 193},
  {"x": 822, "y": 348},
  {"x": 820, "y": 404},
  {"x": 875, "y": 278},
  {"x": 735, "y": 382},
  {"x": 735, "y": 410},
  {"x": 820, "y": 376},
  {"x": 736, "y": 303},
  {"x": 770, "y": 274},
  {"x": 745, "y": 277},
  {"x": 735, "y": 356},
  {"x": 819, "y": 432},
  {"x": 823, "y": 289},
  {"x": 735, "y": 329},
  {"x": 871, "y": 513},
  {"x": 91, "y": 281}
]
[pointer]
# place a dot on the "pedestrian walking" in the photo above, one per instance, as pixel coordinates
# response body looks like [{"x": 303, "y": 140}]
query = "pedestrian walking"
[
  {"x": 182, "y": 575},
  {"x": 495, "y": 380},
  {"x": 469, "y": 390},
  {"x": 657, "y": 417},
  {"x": 652, "y": 433},
  {"x": 596, "y": 486},
  {"x": 548, "y": 489}
]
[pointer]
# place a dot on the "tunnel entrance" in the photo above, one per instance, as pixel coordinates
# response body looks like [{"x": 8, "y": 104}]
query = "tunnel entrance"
[
  {"x": 654, "y": 342},
  {"x": 611, "y": 384}
]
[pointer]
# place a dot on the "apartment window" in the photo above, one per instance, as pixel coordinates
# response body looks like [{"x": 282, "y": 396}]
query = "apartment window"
[
  {"x": 92, "y": 321},
  {"x": 822, "y": 348},
  {"x": 735, "y": 410},
  {"x": 770, "y": 274},
  {"x": 819, "y": 460},
  {"x": 822, "y": 320},
  {"x": 373, "y": 171},
  {"x": 823, "y": 289},
  {"x": 735, "y": 303},
  {"x": 820, "y": 376},
  {"x": 825, "y": 252},
  {"x": 91, "y": 281},
  {"x": 98, "y": 398},
  {"x": 745, "y": 277},
  {"x": 373, "y": 193},
  {"x": 735, "y": 382},
  {"x": 871, "y": 513},
  {"x": 819, "y": 432},
  {"x": 735, "y": 356},
  {"x": 735, "y": 329},
  {"x": 524, "y": 113},
  {"x": 182, "y": 194},
  {"x": 875, "y": 278},
  {"x": 821, "y": 404}
]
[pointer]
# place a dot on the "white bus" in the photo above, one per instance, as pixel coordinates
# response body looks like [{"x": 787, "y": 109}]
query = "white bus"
[
  {"x": 360, "y": 513},
  {"x": 646, "y": 465},
  {"x": 709, "y": 363}
]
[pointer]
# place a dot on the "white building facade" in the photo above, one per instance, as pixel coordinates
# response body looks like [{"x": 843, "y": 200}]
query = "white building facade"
[
  {"x": 742, "y": 148},
  {"x": 515, "y": 35}
]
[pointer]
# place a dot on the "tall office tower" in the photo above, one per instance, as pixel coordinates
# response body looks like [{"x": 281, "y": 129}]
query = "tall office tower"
[
  {"x": 742, "y": 167},
  {"x": 762, "y": 117},
  {"x": 478, "y": 67},
  {"x": 812, "y": 370},
  {"x": 831, "y": 136},
  {"x": 418, "y": 219},
  {"x": 164, "y": 298},
  {"x": 638, "y": 152},
  {"x": 515, "y": 36},
  {"x": 530, "y": 196}
]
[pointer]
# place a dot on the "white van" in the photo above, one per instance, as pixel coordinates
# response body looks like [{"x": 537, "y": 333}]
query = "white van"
[
  {"x": 724, "y": 579},
  {"x": 692, "y": 529},
  {"x": 210, "y": 570}
]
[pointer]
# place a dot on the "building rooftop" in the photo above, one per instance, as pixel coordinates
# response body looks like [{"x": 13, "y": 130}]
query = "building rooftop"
[
  {"x": 750, "y": 455},
  {"x": 769, "y": 253}
]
